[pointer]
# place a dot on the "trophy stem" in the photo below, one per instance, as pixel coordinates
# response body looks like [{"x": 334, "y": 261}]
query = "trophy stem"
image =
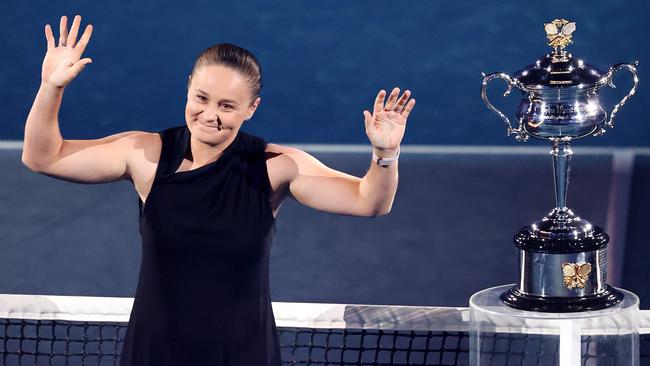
[{"x": 561, "y": 167}]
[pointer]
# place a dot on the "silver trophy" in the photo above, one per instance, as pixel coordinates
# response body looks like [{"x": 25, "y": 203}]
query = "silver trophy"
[{"x": 563, "y": 257}]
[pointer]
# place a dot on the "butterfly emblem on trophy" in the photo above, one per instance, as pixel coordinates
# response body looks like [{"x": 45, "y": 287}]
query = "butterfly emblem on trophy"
[{"x": 575, "y": 274}]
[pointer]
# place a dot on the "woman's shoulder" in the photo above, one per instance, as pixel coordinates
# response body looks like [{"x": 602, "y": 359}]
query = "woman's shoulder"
[
  {"x": 129, "y": 142},
  {"x": 282, "y": 149},
  {"x": 289, "y": 153},
  {"x": 142, "y": 141},
  {"x": 148, "y": 142},
  {"x": 142, "y": 150},
  {"x": 285, "y": 156},
  {"x": 289, "y": 159}
]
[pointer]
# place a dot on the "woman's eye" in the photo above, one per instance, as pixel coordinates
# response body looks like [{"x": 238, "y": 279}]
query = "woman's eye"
[
  {"x": 201, "y": 98},
  {"x": 226, "y": 106}
]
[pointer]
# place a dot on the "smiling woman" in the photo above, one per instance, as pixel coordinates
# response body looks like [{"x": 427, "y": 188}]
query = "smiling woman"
[
  {"x": 223, "y": 92},
  {"x": 209, "y": 194}
]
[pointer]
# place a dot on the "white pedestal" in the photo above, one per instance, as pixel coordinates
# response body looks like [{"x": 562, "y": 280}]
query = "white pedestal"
[{"x": 500, "y": 335}]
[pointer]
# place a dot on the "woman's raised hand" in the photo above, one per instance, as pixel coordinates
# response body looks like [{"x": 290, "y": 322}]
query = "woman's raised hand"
[
  {"x": 386, "y": 125},
  {"x": 63, "y": 61}
]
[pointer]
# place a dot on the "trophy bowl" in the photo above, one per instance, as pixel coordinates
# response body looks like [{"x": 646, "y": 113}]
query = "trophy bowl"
[
  {"x": 562, "y": 257},
  {"x": 560, "y": 92}
]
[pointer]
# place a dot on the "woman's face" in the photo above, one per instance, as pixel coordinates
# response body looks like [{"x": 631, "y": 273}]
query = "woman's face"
[{"x": 218, "y": 103}]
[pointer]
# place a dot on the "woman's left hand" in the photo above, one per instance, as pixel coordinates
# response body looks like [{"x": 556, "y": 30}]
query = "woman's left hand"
[{"x": 386, "y": 125}]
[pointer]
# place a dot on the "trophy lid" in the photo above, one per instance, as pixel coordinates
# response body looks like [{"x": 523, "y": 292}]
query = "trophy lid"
[{"x": 559, "y": 68}]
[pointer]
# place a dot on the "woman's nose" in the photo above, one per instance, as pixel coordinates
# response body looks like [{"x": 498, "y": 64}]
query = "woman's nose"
[{"x": 211, "y": 115}]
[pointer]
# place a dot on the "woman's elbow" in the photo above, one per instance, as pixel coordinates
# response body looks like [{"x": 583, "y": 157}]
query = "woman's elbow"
[
  {"x": 29, "y": 163},
  {"x": 379, "y": 212}
]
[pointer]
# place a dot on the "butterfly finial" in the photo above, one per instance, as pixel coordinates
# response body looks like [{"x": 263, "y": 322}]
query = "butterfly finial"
[{"x": 558, "y": 33}]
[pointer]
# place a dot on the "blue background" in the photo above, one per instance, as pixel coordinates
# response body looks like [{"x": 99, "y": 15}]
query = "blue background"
[{"x": 323, "y": 62}]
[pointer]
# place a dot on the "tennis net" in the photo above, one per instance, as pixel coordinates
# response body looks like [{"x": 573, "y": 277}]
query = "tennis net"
[{"x": 73, "y": 330}]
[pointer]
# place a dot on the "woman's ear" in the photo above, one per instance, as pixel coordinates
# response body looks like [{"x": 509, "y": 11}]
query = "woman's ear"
[{"x": 253, "y": 108}]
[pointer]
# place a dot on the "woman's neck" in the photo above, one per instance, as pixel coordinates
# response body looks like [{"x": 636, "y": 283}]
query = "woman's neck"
[{"x": 201, "y": 153}]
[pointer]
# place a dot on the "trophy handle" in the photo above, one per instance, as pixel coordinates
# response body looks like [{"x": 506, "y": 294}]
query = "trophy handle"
[
  {"x": 519, "y": 133},
  {"x": 632, "y": 69}
]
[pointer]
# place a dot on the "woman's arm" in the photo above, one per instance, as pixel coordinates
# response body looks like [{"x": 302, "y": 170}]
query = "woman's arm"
[
  {"x": 44, "y": 149},
  {"x": 315, "y": 185}
]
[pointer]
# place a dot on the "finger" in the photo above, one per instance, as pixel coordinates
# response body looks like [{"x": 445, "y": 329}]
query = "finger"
[
  {"x": 390, "y": 103},
  {"x": 63, "y": 30},
  {"x": 367, "y": 119},
  {"x": 402, "y": 101},
  {"x": 379, "y": 101},
  {"x": 408, "y": 108},
  {"x": 49, "y": 36},
  {"x": 74, "y": 30},
  {"x": 83, "y": 41},
  {"x": 79, "y": 65}
]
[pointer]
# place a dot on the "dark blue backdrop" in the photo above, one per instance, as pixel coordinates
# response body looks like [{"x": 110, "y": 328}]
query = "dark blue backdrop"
[{"x": 323, "y": 62}]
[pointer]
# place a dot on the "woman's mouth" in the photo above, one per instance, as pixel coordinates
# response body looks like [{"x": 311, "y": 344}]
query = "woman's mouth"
[{"x": 210, "y": 125}]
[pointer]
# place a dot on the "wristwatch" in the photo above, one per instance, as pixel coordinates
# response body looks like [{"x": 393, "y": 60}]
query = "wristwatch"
[{"x": 385, "y": 161}]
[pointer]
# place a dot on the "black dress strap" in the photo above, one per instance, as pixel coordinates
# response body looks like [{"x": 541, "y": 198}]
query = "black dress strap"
[
  {"x": 169, "y": 158},
  {"x": 172, "y": 151},
  {"x": 251, "y": 150}
]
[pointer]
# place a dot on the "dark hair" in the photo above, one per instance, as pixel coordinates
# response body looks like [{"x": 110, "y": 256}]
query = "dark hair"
[{"x": 235, "y": 58}]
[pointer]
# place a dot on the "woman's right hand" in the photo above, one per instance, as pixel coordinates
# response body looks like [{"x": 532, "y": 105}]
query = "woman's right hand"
[{"x": 63, "y": 62}]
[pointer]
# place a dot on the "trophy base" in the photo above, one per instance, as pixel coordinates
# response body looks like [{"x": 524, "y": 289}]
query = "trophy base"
[{"x": 518, "y": 300}]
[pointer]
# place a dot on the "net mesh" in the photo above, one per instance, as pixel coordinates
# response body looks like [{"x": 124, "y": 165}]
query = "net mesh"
[{"x": 309, "y": 334}]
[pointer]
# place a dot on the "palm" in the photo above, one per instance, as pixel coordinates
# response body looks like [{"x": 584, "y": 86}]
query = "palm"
[
  {"x": 387, "y": 130},
  {"x": 63, "y": 63},
  {"x": 56, "y": 65},
  {"x": 386, "y": 125}
]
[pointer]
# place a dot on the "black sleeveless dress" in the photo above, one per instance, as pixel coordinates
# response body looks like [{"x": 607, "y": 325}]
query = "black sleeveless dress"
[{"x": 203, "y": 291}]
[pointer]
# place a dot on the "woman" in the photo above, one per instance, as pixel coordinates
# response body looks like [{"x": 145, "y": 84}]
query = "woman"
[{"x": 209, "y": 194}]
